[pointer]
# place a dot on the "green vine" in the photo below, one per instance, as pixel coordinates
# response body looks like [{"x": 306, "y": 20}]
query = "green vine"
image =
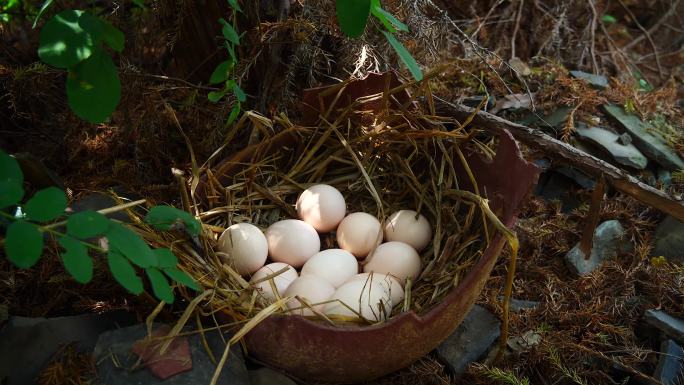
[
  {"x": 25, "y": 236},
  {"x": 225, "y": 71},
  {"x": 352, "y": 15}
]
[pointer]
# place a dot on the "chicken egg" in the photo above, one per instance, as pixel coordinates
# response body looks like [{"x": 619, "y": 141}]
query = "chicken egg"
[
  {"x": 409, "y": 227},
  {"x": 334, "y": 265},
  {"x": 313, "y": 289},
  {"x": 395, "y": 258},
  {"x": 391, "y": 284},
  {"x": 244, "y": 246},
  {"x": 369, "y": 299},
  {"x": 358, "y": 233},
  {"x": 322, "y": 206},
  {"x": 282, "y": 281},
  {"x": 292, "y": 241}
]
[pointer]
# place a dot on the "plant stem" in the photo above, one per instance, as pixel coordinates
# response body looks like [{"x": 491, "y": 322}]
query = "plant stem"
[{"x": 108, "y": 210}]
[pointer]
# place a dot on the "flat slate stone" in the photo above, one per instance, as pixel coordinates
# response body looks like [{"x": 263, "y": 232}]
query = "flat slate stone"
[
  {"x": 673, "y": 327},
  {"x": 670, "y": 369},
  {"x": 598, "y": 81},
  {"x": 624, "y": 154},
  {"x": 471, "y": 340},
  {"x": 669, "y": 240},
  {"x": 27, "y": 344},
  {"x": 650, "y": 143},
  {"x": 608, "y": 243},
  {"x": 266, "y": 376},
  {"x": 115, "y": 347}
]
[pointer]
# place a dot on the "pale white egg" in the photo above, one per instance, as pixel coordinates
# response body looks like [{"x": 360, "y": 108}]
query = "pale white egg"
[
  {"x": 292, "y": 241},
  {"x": 409, "y": 227},
  {"x": 313, "y": 289},
  {"x": 394, "y": 258},
  {"x": 322, "y": 206},
  {"x": 335, "y": 265},
  {"x": 244, "y": 247},
  {"x": 281, "y": 281},
  {"x": 390, "y": 283},
  {"x": 358, "y": 233},
  {"x": 369, "y": 299}
]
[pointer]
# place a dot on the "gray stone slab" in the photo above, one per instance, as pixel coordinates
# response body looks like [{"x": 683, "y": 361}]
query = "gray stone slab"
[
  {"x": 650, "y": 143},
  {"x": 597, "y": 81},
  {"x": 27, "y": 344},
  {"x": 608, "y": 243},
  {"x": 266, "y": 376},
  {"x": 624, "y": 154},
  {"x": 669, "y": 240},
  {"x": 116, "y": 364},
  {"x": 670, "y": 369},
  {"x": 672, "y": 327},
  {"x": 471, "y": 340}
]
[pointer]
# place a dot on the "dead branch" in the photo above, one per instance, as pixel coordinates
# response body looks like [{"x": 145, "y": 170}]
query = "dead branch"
[{"x": 565, "y": 153}]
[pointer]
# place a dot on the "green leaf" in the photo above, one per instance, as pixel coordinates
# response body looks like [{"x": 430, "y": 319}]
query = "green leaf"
[
  {"x": 220, "y": 73},
  {"x": 165, "y": 258},
  {"x": 166, "y": 217},
  {"x": 42, "y": 10},
  {"x": 234, "y": 113},
  {"x": 235, "y": 5},
  {"x": 87, "y": 224},
  {"x": 139, "y": 3},
  {"x": 160, "y": 285},
  {"x": 124, "y": 273},
  {"x": 93, "y": 88},
  {"x": 215, "y": 96},
  {"x": 63, "y": 43},
  {"x": 9, "y": 169},
  {"x": 182, "y": 278},
  {"x": 11, "y": 193},
  {"x": 231, "y": 52},
  {"x": 405, "y": 56},
  {"x": 390, "y": 22},
  {"x": 23, "y": 244},
  {"x": 46, "y": 205},
  {"x": 239, "y": 93},
  {"x": 229, "y": 32},
  {"x": 352, "y": 15},
  {"x": 76, "y": 259},
  {"x": 128, "y": 243},
  {"x": 101, "y": 30},
  {"x": 608, "y": 19}
]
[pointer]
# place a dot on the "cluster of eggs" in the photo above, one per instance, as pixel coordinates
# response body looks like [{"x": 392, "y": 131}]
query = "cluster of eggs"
[{"x": 330, "y": 278}]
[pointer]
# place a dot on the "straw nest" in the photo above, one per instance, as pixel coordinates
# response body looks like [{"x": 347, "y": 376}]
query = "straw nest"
[{"x": 383, "y": 157}]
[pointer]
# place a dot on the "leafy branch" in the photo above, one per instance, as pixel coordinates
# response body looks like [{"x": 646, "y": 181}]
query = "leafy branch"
[
  {"x": 125, "y": 250},
  {"x": 352, "y": 15},
  {"x": 74, "y": 40},
  {"x": 225, "y": 71}
]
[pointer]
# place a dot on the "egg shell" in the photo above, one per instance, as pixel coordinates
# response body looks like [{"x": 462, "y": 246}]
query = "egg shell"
[
  {"x": 358, "y": 233},
  {"x": 245, "y": 247},
  {"x": 292, "y": 241},
  {"x": 335, "y": 265},
  {"x": 409, "y": 227},
  {"x": 322, "y": 206},
  {"x": 391, "y": 284},
  {"x": 282, "y": 281},
  {"x": 394, "y": 258},
  {"x": 312, "y": 288},
  {"x": 370, "y": 299}
]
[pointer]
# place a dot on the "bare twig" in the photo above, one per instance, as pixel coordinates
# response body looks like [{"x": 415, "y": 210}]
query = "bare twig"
[
  {"x": 648, "y": 36},
  {"x": 592, "y": 27},
  {"x": 517, "y": 27},
  {"x": 655, "y": 26}
]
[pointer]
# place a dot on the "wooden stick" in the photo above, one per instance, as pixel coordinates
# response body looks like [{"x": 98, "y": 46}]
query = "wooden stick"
[
  {"x": 592, "y": 219},
  {"x": 567, "y": 154}
]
